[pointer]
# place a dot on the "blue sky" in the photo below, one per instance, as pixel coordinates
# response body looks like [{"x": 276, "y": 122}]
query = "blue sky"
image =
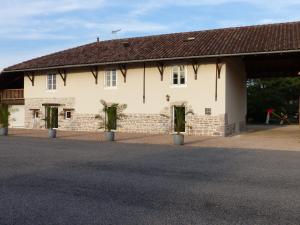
[{"x": 31, "y": 28}]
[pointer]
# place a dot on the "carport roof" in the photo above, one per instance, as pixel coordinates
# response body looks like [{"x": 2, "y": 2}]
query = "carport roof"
[{"x": 238, "y": 41}]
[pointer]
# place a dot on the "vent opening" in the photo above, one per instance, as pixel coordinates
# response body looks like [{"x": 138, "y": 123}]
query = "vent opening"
[
  {"x": 207, "y": 111},
  {"x": 190, "y": 39}
]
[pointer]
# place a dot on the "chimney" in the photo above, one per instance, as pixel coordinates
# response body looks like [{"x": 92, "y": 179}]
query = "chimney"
[{"x": 98, "y": 39}]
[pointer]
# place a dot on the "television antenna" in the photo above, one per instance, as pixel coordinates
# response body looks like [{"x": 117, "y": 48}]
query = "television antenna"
[{"x": 115, "y": 33}]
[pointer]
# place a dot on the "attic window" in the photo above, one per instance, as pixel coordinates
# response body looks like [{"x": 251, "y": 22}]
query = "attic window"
[
  {"x": 190, "y": 39},
  {"x": 126, "y": 44}
]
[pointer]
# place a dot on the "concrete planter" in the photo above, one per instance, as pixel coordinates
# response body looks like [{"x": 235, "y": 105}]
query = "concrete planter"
[
  {"x": 109, "y": 135},
  {"x": 178, "y": 139},
  {"x": 52, "y": 133},
  {"x": 3, "y": 131}
]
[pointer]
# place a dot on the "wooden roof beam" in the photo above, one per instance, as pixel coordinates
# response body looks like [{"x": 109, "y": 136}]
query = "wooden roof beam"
[
  {"x": 161, "y": 69},
  {"x": 63, "y": 75},
  {"x": 196, "y": 66},
  {"x": 123, "y": 69},
  {"x": 30, "y": 76},
  {"x": 95, "y": 73}
]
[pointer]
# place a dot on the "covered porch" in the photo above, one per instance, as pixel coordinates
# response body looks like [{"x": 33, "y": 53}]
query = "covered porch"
[{"x": 274, "y": 66}]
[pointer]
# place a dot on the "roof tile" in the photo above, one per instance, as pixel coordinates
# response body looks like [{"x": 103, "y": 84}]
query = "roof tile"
[{"x": 239, "y": 40}]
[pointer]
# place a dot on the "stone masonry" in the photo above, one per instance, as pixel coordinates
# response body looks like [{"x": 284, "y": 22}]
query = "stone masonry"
[
  {"x": 78, "y": 122},
  {"x": 132, "y": 123}
]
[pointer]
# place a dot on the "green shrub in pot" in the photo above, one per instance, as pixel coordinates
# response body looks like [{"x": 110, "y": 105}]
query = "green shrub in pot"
[
  {"x": 51, "y": 120},
  {"x": 179, "y": 122},
  {"x": 112, "y": 113},
  {"x": 4, "y": 119}
]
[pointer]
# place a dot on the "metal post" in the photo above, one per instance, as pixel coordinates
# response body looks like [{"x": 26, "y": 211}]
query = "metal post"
[{"x": 144, "y": 84}]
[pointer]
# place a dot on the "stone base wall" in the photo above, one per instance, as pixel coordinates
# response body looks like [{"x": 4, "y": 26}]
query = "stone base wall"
[
  {"x": 158, "y": 124},
  {"x": 206, "y": 125},
  {"x": 132, "y": 123},
  {"x": 144, "y": 123},
  {"x": 35, "y": 104},
  {"x": 235, "y": 128},
  {"x": 80, "y": 122},
  {"x": 243, "y": 126},
  {"x": 230, "y": 129}
]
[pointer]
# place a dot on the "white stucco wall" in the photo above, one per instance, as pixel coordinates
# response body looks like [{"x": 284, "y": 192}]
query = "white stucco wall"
[
  {"x": 199, "y": 94},
  {"x": 236, "y": 92}
]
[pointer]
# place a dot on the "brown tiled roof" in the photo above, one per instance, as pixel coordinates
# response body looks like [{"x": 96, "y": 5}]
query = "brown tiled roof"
[{"x": 270, "y": 38}]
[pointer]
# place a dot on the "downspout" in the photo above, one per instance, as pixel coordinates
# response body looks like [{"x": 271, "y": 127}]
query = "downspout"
[
  {"x": 144, "y": 84},
  {"x": 216, "y": 83}
]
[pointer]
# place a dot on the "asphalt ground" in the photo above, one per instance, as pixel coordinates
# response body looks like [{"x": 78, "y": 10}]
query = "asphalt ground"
[{"x": 69, "y": 182}]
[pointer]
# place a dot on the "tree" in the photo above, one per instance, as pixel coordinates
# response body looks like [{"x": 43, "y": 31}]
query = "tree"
[{"x": 281, "y": 94}]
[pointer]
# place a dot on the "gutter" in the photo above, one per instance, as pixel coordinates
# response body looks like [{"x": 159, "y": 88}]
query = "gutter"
[{"x": 151, "y": 60}]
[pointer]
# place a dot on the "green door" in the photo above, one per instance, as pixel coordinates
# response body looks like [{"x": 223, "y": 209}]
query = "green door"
[
  {"x": 53, "y": 112},
  {"x": 55, "y": 116}
]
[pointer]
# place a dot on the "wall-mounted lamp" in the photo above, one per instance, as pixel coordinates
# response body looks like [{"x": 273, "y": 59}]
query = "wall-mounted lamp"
[{"x": 168, "y": 98}]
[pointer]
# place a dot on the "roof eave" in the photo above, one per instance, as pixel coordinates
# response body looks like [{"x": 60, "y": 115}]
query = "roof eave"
[{"x": 150, "y": 60}]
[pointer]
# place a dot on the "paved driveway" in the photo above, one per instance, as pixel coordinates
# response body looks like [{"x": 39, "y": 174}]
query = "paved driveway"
[
  {"x": 68, "y": 182},
  {"x": 257, "y": 137}
]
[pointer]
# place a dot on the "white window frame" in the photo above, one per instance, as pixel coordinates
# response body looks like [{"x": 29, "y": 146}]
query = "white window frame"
[
  {"x": 36, "y": 114},
  {"x": 111, "y": 80},
  {"x": 52, "y": 83},
  {"x": 185, "y": 77},
  {"x": 66, "y": 113}
]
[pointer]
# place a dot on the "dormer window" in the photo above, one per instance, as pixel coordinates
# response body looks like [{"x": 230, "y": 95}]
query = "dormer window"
[{"x": 190, "y": 39}]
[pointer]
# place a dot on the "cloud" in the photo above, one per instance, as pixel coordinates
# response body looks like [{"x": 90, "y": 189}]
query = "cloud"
[
  {"x": 56, "y": 24},
  {"x": 33, "y": 19},
  {"x": 15, "y": 8},
  {"x": 50, "y": 19},
  {"x": 18, "y": 56},
  {"x": 262, "y": 3},
  {"x": 145, "y": 7},
  {"x": 150, "y": 5}
]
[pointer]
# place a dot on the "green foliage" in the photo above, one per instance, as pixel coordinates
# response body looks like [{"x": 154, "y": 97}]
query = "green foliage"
[
  {"x": 281, "y": 94},
  {"x": 51, "y": 118},
  {"x": 112, "y": 113},
  {"x": 179, "y": 121},
  {"x": 4, "y": 115}
]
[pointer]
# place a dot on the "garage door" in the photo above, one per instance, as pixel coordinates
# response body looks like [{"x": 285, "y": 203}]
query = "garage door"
[{"x": 17, "y": 116}]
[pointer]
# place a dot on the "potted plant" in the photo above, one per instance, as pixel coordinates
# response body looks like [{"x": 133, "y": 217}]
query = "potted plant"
[
  {"x": 112, "y": 113},
  {"x": 4, "y": 119},
  {"x": 180, "y": 123},
  {"x": 51, "y": 121}
]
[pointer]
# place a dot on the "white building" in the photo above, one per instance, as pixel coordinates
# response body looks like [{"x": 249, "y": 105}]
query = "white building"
[{"x": 206, "y": 71}]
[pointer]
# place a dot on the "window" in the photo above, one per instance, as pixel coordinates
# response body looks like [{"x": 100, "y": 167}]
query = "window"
[
  {"x": 36, "y": 114},
  {"x": 51, "y": 82},
  {"x": 179, "y": 75},
  {"x": 111, "y": 78},
  {"x": 68, "y": 115}
]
